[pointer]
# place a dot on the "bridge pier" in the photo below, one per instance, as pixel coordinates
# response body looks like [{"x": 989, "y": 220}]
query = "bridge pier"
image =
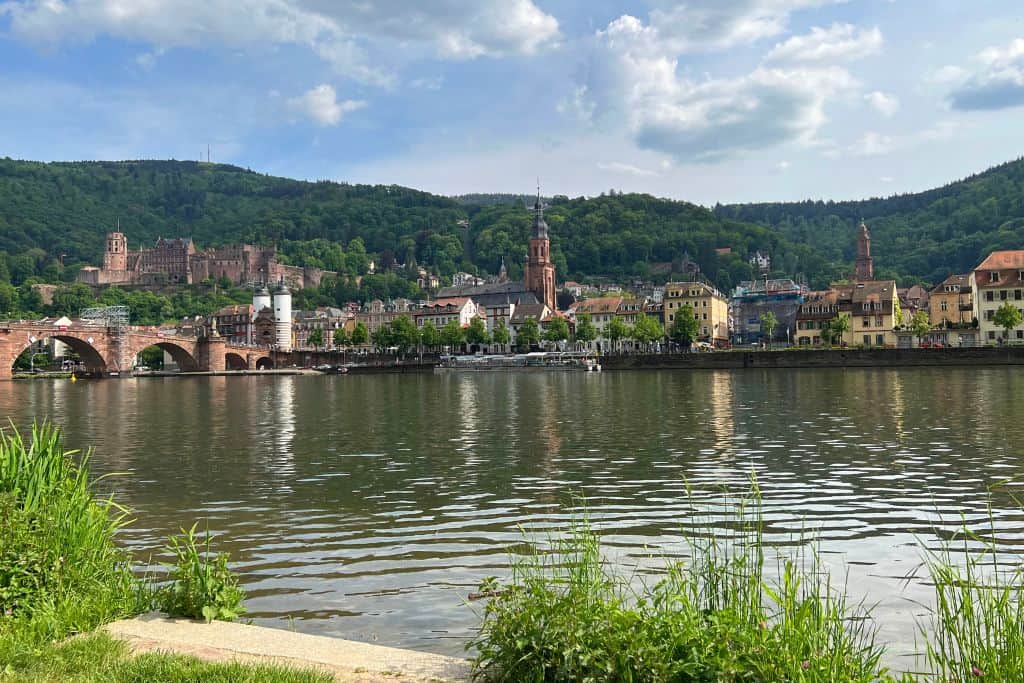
[{"x": 211, "y": 354}]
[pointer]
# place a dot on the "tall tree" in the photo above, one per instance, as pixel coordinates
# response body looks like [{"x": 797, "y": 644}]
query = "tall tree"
[
  {"x": 646, "y": 330},
  {"x": 341, "y": 337},
  {"x": 528, "y": 334},
  {"x": 586, "y": 332},
  {"x": 557, "y": 330},
  {"x": 430, "y": 335},
  {"x": 616, "y": 331},
  {"x": 452, "y": 335},
  {"x": 360, "y": 335},
  {"x": 685, "y": 327},
  {"x": 768, "y": 323},
  {"x": 316, "y": 338},
  {"x": 1007, "y": 316},
  {"x": 838, "y": 328},
  {"x": 920, "y": 325},
  {"x": 501, "y": 334},
  {"x": 476, "y": 333},
  {"x": 404, "y": 334}
]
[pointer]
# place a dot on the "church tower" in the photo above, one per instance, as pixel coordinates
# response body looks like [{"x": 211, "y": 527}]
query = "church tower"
[
  {"x": 539, "y": 271},
  {"x": 864, "y": 269}
]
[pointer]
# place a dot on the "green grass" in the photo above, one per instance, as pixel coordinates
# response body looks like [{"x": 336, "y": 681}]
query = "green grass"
[
  {"x": 99, "y": 658},
  {"x": 202, "y": 586},
  {"x": 565, "y": 616}
]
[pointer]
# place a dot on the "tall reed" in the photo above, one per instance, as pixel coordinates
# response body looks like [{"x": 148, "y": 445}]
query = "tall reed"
[
  {"x": 976, "y": 630},
  {"x": 565, "y": 616},
  {"x": 60, "y": 570}
]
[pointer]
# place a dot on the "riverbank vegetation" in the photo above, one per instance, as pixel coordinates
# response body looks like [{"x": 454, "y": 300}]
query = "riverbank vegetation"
[
  {"x": 566, "y": 614},
  {"x": 62, "y": 576}
]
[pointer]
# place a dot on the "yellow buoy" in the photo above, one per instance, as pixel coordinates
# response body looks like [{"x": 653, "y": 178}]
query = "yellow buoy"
[{"x": 73, "y": 378}]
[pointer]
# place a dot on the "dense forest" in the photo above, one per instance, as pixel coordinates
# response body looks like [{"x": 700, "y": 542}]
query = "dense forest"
[
  {"x": 53, "y": 217},
  {"x": 919, "y": 237}
]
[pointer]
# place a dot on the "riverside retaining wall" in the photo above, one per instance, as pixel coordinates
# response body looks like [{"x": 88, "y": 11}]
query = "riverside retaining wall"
[{"x": 836, "y": 358}]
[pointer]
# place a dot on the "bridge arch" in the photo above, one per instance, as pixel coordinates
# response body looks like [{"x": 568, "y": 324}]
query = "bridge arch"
[
  {"x": 264, "y": 363},
  {"x": 185, "y": 361},
  {"x": 235, "y": 361},
  {"x": 88, "y": 354}
]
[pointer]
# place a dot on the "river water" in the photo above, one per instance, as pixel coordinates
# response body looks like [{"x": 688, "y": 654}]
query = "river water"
[{"x": 369, "y": 507}]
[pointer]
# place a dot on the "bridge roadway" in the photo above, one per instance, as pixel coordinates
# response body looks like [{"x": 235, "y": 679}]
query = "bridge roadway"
[{"x": 102, "y": 350}]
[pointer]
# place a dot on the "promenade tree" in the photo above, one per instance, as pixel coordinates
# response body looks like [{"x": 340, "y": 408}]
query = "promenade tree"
[
  {"x": 557, "y": 331},
  {"x": 476, "y": 333},
  {"x": 360, "y": 335},
  {"x": 768, "y": 324},
  {"x": 501, "y": 334},
  {"x": 920, "y": 325},
  {"x": 684, "y": 327},
  {"x": 430, "y": 335},
  {"x": 528, "y": 334},
  {"x": 585, "y": 330},
  {"x": 404, "y": 334},
  {"x": 1007, "y": 317},
  {"x": 341, "y": 337},
  {"x": 381, "y": 338},
  {"x": 646, "y": 330},
  {"x": 616, "y": 331},
  {"x": 838, "y": 328},
  {"x": 452, "y": 335},
  {"x": 316, "y": 338}
]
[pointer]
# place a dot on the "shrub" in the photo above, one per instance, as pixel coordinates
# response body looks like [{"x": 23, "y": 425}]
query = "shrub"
[
  {"x": 565, "y": 617},
  {"x": 202, "y": 585}
]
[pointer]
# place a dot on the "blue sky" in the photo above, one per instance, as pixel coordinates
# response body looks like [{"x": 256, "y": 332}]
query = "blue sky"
[{"x": 702, "y": 100}]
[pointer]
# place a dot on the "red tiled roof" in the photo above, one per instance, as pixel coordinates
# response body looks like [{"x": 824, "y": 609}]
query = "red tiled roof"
[{"x": 1003, "y": 260}]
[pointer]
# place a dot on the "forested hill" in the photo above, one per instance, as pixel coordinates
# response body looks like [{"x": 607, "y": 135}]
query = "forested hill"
[
  {"x": 52, "y": 209},
  {"x": 51, "y": 212},
  {"x": 923, "y": 236}
]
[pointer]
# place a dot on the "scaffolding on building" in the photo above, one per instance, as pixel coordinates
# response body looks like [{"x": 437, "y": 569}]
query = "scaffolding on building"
[{"x": 114, "y": 318}]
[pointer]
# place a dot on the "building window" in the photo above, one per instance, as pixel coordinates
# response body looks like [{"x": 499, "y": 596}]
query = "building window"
[
  {"x": 879, "y": 340},
  {"x": 867, "y": 340},
  {"x": 990, "y": 296},
  {"x": 878, "y": 321},
  {"x": 993, "y": 277},
  {"x": 991, "y": 334},
  {"x": 944, "y": 306},
  {"x": 1002, "y": 294},
  {"x": 1017, "y": 294},
  {"x": 866, "y": 322}
]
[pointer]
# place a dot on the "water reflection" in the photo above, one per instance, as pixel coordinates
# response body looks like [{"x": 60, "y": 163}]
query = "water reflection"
[{"x": 368, "y": 507}]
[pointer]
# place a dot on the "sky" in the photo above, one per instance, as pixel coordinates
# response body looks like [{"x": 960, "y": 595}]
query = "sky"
[{"x": 700, "y": 100}]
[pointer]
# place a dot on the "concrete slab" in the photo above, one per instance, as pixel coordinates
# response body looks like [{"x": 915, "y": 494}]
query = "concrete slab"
[{"x": 348, "y": 661}]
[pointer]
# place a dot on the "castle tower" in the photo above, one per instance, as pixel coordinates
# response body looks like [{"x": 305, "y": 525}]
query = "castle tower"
[
  {"x": 539, "y": 271},
  {"x": 503, "y": 271},
  {"x": 115, "y": 257},
  {"x": 283, "y": 316},
  {"x": 864, "y": 269}
]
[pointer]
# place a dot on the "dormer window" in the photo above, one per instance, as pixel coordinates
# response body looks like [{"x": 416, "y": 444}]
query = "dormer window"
[{"x": 994, "y": 276}]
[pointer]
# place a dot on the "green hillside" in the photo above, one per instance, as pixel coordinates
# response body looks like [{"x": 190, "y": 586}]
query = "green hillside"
[
  {"x": 51, "y": 212},
  {"x": 915, "y": 237}
]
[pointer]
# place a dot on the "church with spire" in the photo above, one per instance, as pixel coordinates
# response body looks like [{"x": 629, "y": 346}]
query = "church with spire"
[
  {"x": 864, "y": 267},
  {"x": 539, "y": 271}
]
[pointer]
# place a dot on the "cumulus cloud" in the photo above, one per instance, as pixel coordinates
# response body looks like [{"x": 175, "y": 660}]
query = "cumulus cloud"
[
  {"x": 338, "y": 31},
  {"x": 634, "y": 75},
  {"x": 873, "y": 145},
  {"x": 840, "y": 42},
  {"x": 322, "y": 106},
  {"x": 886, "y": 105},
  {"x": 997, "y": 82}
]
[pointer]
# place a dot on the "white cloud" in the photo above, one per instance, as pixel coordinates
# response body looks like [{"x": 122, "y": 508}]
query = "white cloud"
[
  {"x": 718, "y": 24},
  {"x": 886, "y": 105},
  {"x": 321, "y": 105},
  {"x": 338, "y": 31},
  {"x": 628, "y": 169},
  {"x": 430, "y": 83},
  {"x": 840, "y": 42},
  {"x": 873, "y": 145},
  {"x": 783, "y": 166},
  {"x": 997, "y": 82},
  {"x": 633, "y": 77},
  {"x": 947, "y": 75}
]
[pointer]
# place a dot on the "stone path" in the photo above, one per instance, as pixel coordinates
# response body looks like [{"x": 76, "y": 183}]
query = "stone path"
[{"x": 348, "y": 661}]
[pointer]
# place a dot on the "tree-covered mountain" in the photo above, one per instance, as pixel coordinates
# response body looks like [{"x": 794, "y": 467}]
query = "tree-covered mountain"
[
  {"x": 915, "y": 237},
  {"x": 57, "y": 213},
  {"x": 53, "y": 217}
]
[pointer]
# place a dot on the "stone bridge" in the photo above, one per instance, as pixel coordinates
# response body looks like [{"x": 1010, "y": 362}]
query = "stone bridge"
[{"x": 104, "y": 350}]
